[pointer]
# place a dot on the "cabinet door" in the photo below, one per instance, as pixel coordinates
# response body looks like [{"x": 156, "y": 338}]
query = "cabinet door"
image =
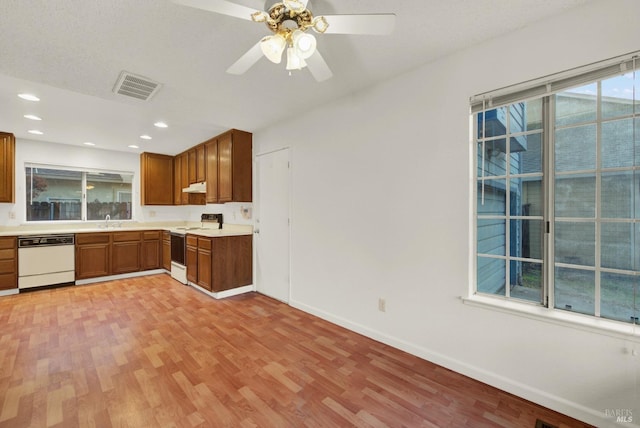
[
  {"x": 225, "y": 170},
  {"x": 192, "y": 165},
  {"x": 125, "y": 257},
  {"x": 211, "y": 150},
  {"x": 151, "y": 251},
  {"x": 177, "y": 181},
  {"x": 7, "y": 165},
  {"x": 166, "y": 251},
  {"x": 184, "y": 178},
  {"x": 200, "y": 163},
  {"x": 242, "y": 166},
  {"x": 204, "y": 263},
  {"x": 8, "y": 263},
  {"x": 156, "y": 184},
  {"x": 92, "y": 260},
  {"x": 192, "y": 259}
]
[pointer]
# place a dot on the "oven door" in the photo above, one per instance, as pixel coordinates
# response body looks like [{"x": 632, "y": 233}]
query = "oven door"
[{"x": 178, "y": 248}]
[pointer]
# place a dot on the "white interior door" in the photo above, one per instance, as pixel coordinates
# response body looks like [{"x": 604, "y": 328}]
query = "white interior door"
[{"x": 272, "y": 224}]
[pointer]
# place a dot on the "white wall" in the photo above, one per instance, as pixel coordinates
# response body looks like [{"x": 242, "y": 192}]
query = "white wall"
[{"x": 380, "y": 208}]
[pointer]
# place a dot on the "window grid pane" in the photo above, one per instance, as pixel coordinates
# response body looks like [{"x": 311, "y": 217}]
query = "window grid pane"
[
  {"x": 510, "y": 227},
  {"x": 593, "y": 198}
]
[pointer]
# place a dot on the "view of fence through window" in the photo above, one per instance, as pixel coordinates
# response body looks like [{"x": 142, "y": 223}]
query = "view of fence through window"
[
  {"x": 558, "y": 199},
  {"x": 60, "y": 194}
]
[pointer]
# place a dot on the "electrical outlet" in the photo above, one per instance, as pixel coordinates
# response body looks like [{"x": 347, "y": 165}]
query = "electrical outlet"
[
  {"x": 382, "y": 305},
  {"x": 12, "y": 215},
  {"x": 152, "y": 213}
]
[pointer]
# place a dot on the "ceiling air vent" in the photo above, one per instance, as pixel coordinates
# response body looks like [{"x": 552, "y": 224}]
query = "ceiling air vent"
[{"x": 132, "y": 85}]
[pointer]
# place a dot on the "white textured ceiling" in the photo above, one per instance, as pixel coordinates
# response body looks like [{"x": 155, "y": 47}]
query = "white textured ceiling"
[{"x": 71, "y": 52}]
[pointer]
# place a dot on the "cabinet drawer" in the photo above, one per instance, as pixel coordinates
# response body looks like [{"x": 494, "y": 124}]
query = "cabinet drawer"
[
  {"x": 92, "y": 238},
  {"x": 204, "y": 243},
  {"x": 7, "y": 266},
  {"x": 6, "y": 243},
  {"x": 166, "y": 236},
  {"x": 9, "y": 253},
  {"x": 126, "y": 236},
  {"x": 192, "y": 241},
  {"x": 8, "y": 281},
  {"x": 151, "y": 234}
]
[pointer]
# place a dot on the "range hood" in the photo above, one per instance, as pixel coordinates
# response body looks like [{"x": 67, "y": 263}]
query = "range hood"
[{"x": 196, "y": 188}]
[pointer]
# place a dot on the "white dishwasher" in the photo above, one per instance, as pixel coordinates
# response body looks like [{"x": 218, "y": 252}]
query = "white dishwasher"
[{"x": 46, "y": 260}]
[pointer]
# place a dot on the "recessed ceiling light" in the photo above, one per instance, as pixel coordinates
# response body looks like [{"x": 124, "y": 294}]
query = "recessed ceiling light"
[
  {"x": 35, "y": 131},
  {"x": 89, "y": 143},
  {"x": 133, "y": 146},
  {"x": 32, "y": 117},
  {"x": 160, "y": 125},
  {"x": 29, "y": 97},
  {"x": 145, "y": 137}
]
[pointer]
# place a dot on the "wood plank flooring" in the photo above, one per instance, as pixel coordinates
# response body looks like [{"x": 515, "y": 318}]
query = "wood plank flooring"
[{"x": 151, "y": 352}]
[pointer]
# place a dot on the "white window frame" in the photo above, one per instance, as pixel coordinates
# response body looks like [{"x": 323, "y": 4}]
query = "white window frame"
[
  {"x": 83, "y": 197},
  {"x": 545, "y": 88}
]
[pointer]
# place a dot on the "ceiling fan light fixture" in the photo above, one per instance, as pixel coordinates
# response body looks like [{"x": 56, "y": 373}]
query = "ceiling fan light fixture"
[
  {"x": 272, "y": 47},
  {"x": 294, "y": 61},
  {"x": 304, "y": 43},
  {"x": 259, "y": 16},
  {"x": 320, "y": 24},
  {"x": 294, "y": 5}
]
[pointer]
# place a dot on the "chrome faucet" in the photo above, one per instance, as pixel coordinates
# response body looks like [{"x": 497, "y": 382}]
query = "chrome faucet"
[{"x": 106, "y": 221}]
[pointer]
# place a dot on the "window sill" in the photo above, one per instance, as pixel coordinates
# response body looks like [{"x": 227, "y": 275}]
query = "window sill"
[{"x": 559, "y": 317}]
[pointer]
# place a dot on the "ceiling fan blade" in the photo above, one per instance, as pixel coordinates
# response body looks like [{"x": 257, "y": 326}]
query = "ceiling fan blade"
[
  {"x": 381, "y": 24},
  {"x": 220, "y": 6},
  {"x": 318, "y": 67},
  {"x": 246, "y": 61}
]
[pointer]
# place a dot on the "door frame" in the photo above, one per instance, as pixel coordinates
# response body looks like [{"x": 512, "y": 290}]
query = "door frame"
[{"x": 257, "y": 202}]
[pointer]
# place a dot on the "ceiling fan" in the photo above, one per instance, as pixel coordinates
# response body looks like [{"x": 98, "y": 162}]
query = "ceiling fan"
[{"x": 289, "y": 21}]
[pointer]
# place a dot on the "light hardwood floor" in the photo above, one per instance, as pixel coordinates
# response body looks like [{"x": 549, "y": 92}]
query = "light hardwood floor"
[{"x": 149, "y": 352}]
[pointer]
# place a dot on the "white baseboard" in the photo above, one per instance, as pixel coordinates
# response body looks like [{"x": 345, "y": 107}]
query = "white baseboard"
[
  {"x": 9, "y": 292},
  {"x": 542, "y": 398},
  {"x": 226, "y": 293}
]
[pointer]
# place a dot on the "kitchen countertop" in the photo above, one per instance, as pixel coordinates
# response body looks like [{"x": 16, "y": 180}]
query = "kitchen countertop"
[{"x": 179, "y": 227}]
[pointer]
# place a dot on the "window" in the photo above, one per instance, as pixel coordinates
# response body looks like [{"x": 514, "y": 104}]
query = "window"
[
  {"x": 558, "y": 193},
  {"x": 57, "y": 194}
]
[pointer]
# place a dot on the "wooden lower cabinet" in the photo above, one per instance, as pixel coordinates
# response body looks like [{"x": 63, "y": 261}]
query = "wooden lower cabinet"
[
  {"x": 166, "y": 250},
  {"x": 126, "y": 252},
  {"x": 232, "y": 262},
  {"x": 8, "y": 263},
  {"x": 204, "y": 263},
  {"x": 93, "y": 255},
  {"x": 220, "y": 263},
  {"x": 111, "y": 253},
  {"x": 151, "y": 250},
  {"x": 191, "y": 258}
]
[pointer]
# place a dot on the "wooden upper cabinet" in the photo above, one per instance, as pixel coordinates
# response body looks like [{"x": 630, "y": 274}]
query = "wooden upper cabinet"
[
  {"x": 184, "y": 178},
  {"x": 192, "y": 165},
  {"x": 7, "y": 167},
  {"x": 177, "y": 180},
  {"x": 156, "y": 179},
  {"x": 211, "y": 151},
  {"x": 196, "y": 166},
  {"x": 233, "y": 169},
  {"x": 200, "y": 164}
]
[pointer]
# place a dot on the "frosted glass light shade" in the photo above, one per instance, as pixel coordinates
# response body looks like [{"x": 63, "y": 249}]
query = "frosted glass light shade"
[
  {"x": 272, "y": 47},
  {"x": 304, "y": 43},
  {"x": 294, "y": 62}
]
